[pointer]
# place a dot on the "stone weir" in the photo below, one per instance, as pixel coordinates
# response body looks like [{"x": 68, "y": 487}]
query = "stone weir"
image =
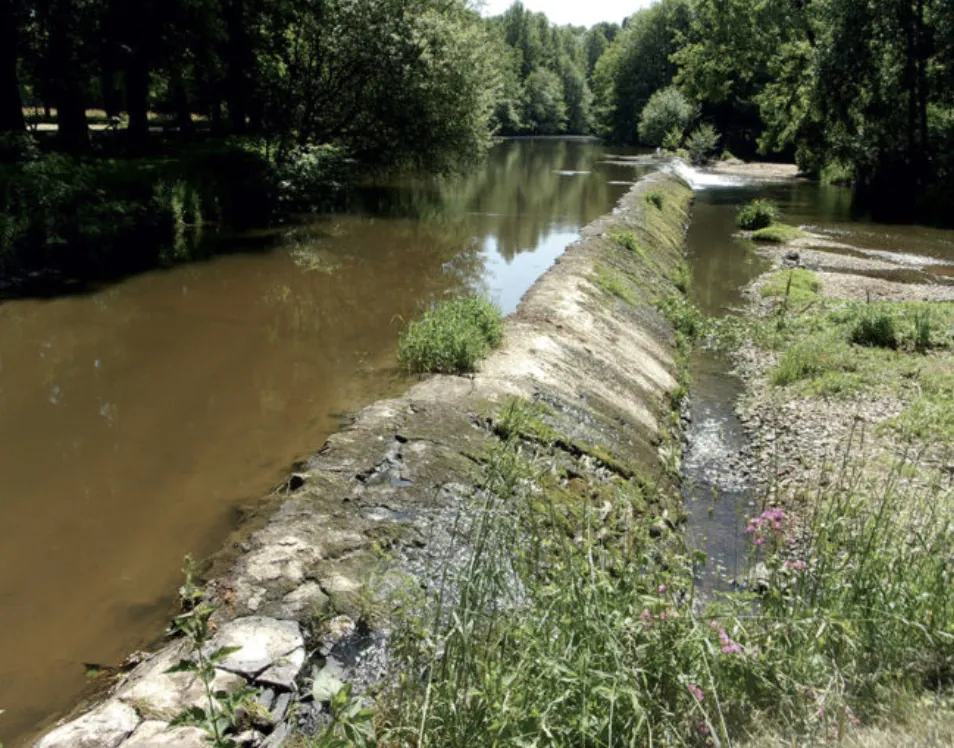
[{"x": 370, "y": 510}]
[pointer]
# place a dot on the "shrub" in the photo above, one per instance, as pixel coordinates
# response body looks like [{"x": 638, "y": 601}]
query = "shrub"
[
  {"x": 702, "y": 144},
  {"x": 451, "y": 337},
  {"x": 666, "y": 114},
  {"x": 673, "y": 139},
  {"x": 758, "y": 214},
  {"x": 309, "y": 175},
  {"x": 875, "y": 330}
]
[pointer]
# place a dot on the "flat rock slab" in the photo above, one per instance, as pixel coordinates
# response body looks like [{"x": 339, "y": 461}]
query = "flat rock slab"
[
  {"x": 155, "y": 733},
  {"x": 269, "y": 651},
  {"x": 106, "y": 726},
  {"x": 150, "y": 686}
]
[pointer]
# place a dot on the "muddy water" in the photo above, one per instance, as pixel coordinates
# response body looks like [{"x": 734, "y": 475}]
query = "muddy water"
[
  {"x": 135, "y": 422},
  {"x": 719, "y": 493}
]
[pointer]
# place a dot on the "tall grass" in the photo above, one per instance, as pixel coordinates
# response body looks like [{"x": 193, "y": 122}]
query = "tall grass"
[
  {"x": 451, "y": 337},
  {"x": 571, "y": 626}
]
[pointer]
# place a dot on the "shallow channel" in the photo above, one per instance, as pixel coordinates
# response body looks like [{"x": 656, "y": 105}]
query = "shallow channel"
[
  {"x": 138, "y": 422},
  {"x": 719, "y": 493}
]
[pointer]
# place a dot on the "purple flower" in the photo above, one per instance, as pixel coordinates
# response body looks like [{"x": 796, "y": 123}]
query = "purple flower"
[
  {"x": 696, "y": 691},
  {"x": 646, "y": 615},
  {"x": 661, "y": 589}
]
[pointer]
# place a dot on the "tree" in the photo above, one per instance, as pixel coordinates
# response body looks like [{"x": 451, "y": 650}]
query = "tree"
[
  {"x": 636, "y": 65},
  {"x": 12, "y": 17},
  {"x": 545, "y": 112},
  {"x": 667, "y": 111}
]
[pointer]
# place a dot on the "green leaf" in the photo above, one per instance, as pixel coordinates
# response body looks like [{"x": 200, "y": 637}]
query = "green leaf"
[
  {"x": 325, "y": 685},
  {"x": 183, "y": 666},
  {"x": 222, "y": 652}
]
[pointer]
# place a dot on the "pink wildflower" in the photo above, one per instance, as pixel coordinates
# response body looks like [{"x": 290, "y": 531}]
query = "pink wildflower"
[
  {"x": 661, "y": 589},
  {"x": 696, "y": 691}
]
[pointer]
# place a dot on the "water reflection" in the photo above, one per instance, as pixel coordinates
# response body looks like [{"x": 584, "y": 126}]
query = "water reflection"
[{"x": 135, "y": 419}]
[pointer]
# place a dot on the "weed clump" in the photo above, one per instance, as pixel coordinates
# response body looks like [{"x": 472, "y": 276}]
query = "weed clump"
[
  {"x": 875, "y": 330},
  {"x": 758, "y": 214},
  {"x": 655, "y": 198},
  {"x": 451, "y": 337},
  {"x": 627, "y": 240}
]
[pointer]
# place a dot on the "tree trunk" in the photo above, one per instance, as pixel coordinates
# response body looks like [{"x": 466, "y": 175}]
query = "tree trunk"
[
  {"x": 137, "y": 97},
  {"x": 236, "y": 88},
  {"x": 11, "y": 106},
  {"x": 72, "y": 128},
  {"x": 68, "y": 84},
  {"x": 180, "y": 99}
]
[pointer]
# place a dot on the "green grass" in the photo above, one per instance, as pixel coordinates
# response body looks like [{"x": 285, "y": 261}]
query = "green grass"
[
  {"x": 778, "y": 233},
  {"x": 568, "y": 624},
  {"x": 895, "y": 350},
  {"x": 451, "y": 337},
  {"x": 612, "y": 283},
  {"x": 797, "y": 285}
]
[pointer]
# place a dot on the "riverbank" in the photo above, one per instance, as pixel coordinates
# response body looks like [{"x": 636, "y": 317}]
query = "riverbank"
[
  {"x": 846, "y": 364},
  {"x": 381, "y": 499}
]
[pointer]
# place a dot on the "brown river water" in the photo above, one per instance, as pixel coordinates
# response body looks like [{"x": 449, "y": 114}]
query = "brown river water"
[{"x": 139, "y": 422}]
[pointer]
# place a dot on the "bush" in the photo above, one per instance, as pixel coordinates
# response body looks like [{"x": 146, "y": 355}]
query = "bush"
[
  {"x": 875, "y": 330},
  {"x": 451, "y": 337},
  {"x": 702, "y": 145},
  {"x": 666, "y": 115},
  {"x": 758, "y": 214},
  {"x": 309, "y": 175},
  {"x": 673, "y": 139}
]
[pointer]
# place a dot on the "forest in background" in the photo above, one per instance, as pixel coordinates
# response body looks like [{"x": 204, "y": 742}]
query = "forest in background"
[{"x": 170, "y": 116}]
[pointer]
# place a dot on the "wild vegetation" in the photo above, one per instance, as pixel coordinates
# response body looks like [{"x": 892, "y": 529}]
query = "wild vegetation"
[
  {"x": 451, "y": 337},
  {"x": 576, "y": 624}
]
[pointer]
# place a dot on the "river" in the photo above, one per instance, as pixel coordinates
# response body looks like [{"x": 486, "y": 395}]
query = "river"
[{"x": 143, "y": 421}]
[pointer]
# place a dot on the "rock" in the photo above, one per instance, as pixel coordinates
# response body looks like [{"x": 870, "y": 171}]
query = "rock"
[
  {"x": 266, "y": 698},
  {"x": 269, "y": 650},
  {"x": 277, "y": 738},
  {"x": 307, "y": 598},
  {"x": 157, "y": 733},
  {"x": 106, "y": 726},
  {"x": 150, "y": 688},
  {"x": 334, "y": 631},
  {"x": 281, "y": 706},
  {"x": 249, "y": 737}
]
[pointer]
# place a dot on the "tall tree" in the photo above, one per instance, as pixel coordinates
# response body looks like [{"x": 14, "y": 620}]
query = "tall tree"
[{"x": 12, "y": 16}]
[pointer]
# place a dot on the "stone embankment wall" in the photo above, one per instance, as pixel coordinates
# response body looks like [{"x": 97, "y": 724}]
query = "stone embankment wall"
[{"x": 313, "y": 586}]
